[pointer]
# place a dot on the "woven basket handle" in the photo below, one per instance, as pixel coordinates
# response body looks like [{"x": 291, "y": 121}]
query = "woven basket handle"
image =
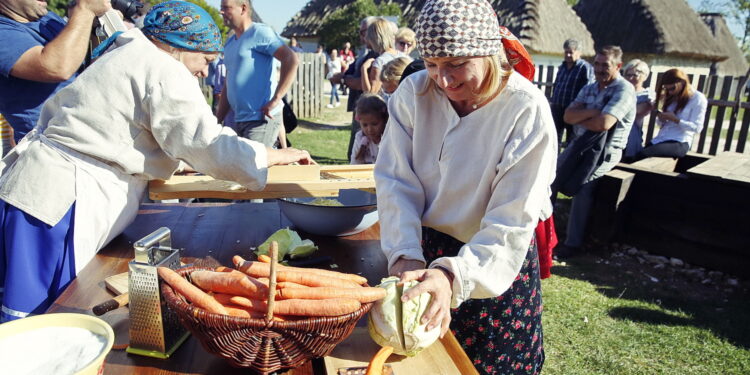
[{"x": 274, "y": 250}]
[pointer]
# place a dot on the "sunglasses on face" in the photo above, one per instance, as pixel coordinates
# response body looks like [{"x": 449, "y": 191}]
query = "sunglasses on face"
[
  {"x": 671, "y": 87},
  {"x": 404, "y": 44}
]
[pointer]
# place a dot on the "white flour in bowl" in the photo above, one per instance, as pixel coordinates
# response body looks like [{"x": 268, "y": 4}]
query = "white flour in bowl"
[{"x": 50, "y": 350}]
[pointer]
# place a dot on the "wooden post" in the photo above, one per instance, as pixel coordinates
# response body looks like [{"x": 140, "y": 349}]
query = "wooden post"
[
  {"x": 610, "y": 193},
  {"x": 719, "y": 121}
]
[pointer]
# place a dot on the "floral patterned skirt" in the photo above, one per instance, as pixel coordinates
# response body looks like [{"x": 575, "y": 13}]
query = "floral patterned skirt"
[{"x": 501, "y": 335}]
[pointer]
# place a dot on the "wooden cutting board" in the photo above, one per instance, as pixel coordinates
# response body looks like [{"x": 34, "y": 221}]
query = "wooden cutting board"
[
  {"x": 444, "y": 357},
  {"x": 117, "y": 284},
  {"x": 283, "y": 181}
]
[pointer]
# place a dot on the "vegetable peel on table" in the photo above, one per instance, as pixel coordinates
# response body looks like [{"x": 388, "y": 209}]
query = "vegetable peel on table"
[
  {"x": 397, "y": 324},
  {"x": 290, "y": 243}
]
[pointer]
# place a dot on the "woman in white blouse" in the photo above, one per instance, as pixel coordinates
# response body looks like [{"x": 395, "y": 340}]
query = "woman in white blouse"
[
  {"x": 76, "y": 181},
  {"x": 463, "y": 176},
  {"x": 680, "y": 116}
]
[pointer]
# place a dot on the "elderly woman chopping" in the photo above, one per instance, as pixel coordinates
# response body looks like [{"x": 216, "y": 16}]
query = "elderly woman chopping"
[
  {"x": 75, "y": 182},
  {"x": 463, "y": 179}
]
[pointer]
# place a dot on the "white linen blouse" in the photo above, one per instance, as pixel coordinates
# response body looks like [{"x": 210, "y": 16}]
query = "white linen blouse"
[
  {"x": 483, "y": 179},
  {"x": 691, "y": 121},
  {"x": 130, "y": 117}
]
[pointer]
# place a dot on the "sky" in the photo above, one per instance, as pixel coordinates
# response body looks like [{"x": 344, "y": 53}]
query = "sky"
[{"x": 277, "y": 13}]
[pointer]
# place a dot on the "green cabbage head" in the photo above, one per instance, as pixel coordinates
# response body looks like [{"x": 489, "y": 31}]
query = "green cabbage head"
[{"x": 397, "y": 324}]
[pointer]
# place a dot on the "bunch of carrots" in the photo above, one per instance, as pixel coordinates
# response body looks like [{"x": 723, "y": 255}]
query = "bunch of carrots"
[{"x": 299, "y": 292}]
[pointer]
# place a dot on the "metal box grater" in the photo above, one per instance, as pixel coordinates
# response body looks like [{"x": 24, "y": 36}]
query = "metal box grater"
[{"x": 155, "y": 330}]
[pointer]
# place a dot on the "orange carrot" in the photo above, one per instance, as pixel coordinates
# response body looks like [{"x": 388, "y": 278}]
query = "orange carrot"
[
  {"x": 363, "y": 295},
  {"x": 238, "y": 260},
  {"x": 191, "y": 292},
  {"x": 289, "y": 284},
  {"x": 264, "y": 258},
  {"x": 281, "y": 284},
  {"x": 243, "y": 312},
  {"x": 234, "y": 282},
  {"x": 298, "y": 307},
  {"x": 375, "y": 367},
  {"x": 258, "y": 269}
]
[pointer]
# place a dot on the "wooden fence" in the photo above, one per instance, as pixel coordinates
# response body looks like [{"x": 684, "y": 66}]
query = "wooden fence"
[
  {"x": 306, "y": 94},
  {"x": 725, "y": 127}
]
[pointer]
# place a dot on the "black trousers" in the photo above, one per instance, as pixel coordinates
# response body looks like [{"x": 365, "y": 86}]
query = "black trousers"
[{"x": 669, "y": 149}]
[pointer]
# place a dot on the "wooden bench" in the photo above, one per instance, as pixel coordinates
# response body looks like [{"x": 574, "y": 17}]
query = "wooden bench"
[{"x": 699, "y": 216}]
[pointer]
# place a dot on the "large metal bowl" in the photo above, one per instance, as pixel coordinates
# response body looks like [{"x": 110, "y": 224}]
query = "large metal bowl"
[{"x": 359, "y": 212}]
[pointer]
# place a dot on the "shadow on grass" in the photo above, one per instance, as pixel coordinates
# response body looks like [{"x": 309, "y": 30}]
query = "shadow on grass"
[
  {"x": 723, "y": 312},
  {"x": 320, "y": 125},
  {"x": 648, "y": 316}
]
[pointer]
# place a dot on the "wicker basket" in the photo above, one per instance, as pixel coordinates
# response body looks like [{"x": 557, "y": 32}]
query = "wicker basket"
[{"x": 254, "y": 343}]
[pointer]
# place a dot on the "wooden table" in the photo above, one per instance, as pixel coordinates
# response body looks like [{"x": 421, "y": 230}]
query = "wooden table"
[
  {"x": 208, "y": 234},
  {"x": 731, "y": 167}
]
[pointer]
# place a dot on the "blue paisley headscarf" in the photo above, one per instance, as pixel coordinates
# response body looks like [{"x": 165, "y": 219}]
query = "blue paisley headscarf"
[{"x": 182, "y": 25}]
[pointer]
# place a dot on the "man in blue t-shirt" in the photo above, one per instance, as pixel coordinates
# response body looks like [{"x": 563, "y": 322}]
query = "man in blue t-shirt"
[
  {"x": 40, "y": 55},
  {"x": 249, "y": 91}
]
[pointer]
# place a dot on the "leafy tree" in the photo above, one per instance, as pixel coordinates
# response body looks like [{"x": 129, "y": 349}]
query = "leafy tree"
[
  {"x": 343, "y": 25},
  {"x": 58, "y": 6},
  {"x": 737, "y": 10}
]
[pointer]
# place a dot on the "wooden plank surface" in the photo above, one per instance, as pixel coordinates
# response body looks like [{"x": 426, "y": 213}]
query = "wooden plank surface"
[
  {"x": 727, "y": 166},
  {"x": 279, "y": 185},
  {"x": 358, "y": 349}
]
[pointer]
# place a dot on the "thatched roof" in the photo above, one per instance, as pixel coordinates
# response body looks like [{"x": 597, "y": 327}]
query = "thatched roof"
[
  {"x": 541, "y": 25},
  {"x": 254, "y": 15},
  {"x": 544, "y": 25},
  {"x": 736, "y": 64},
  {"x": 658, "y": 27}
]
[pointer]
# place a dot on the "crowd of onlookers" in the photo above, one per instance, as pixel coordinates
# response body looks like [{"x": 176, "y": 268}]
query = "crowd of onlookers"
[
  {"x": 602, "y": 114},
  {"x": 467, "y": 158}
]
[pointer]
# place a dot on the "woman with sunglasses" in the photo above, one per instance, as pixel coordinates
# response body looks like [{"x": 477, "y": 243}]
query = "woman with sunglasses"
[
  {"x": 406, "y": 40},
  {"x": 680, "y": 113}
]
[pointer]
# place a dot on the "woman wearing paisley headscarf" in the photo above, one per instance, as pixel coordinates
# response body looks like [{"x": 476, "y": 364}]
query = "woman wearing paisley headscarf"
[
  {"x": 463, "y": 178},
  {"x": 75, "y": 181}
]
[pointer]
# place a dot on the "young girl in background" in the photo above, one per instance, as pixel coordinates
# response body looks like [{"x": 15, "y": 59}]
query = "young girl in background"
[
  {"x": 372, "y": 114},
  {"x": 391, "y": 75}
]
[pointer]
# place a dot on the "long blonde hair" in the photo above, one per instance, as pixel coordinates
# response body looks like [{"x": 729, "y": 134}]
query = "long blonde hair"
[
  {"x": 498, "y": 71},
  {"x": 381, "y": 35}
]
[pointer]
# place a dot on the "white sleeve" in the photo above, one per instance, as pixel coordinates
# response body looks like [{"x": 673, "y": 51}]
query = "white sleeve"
[
  {"x": 356, "y": 146},
  {"x": 487, "y": 265},
  {"x": 182, "y": 124},
  {"x": 400, "y": 194},
  {"x": 695, "y": 113}
]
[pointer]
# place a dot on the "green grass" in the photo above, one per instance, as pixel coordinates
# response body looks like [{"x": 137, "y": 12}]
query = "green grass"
[
  {"x": 327, "y": 146},
  {"x": 326, "y": 136},
  {"x": 600, "y": 320},
  {"x": 603, "y": 314}
]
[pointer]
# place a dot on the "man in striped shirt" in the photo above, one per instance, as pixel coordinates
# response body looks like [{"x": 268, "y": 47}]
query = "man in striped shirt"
[{"x": 573, "y": 74}]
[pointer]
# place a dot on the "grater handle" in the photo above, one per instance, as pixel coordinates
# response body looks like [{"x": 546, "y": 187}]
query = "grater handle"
[
  {"x": 272, "y": 281},
  {"x": 162, "y": 236}
]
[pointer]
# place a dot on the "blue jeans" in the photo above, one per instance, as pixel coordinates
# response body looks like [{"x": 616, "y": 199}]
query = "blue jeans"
[
  {"x": 334, "y": 92},
  {"x": 579, "y": 214},
  {"x": 264, "y": 131}
]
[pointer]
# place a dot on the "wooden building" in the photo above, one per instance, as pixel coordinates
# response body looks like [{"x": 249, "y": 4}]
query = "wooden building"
[{"x": 735, "y": 64}]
